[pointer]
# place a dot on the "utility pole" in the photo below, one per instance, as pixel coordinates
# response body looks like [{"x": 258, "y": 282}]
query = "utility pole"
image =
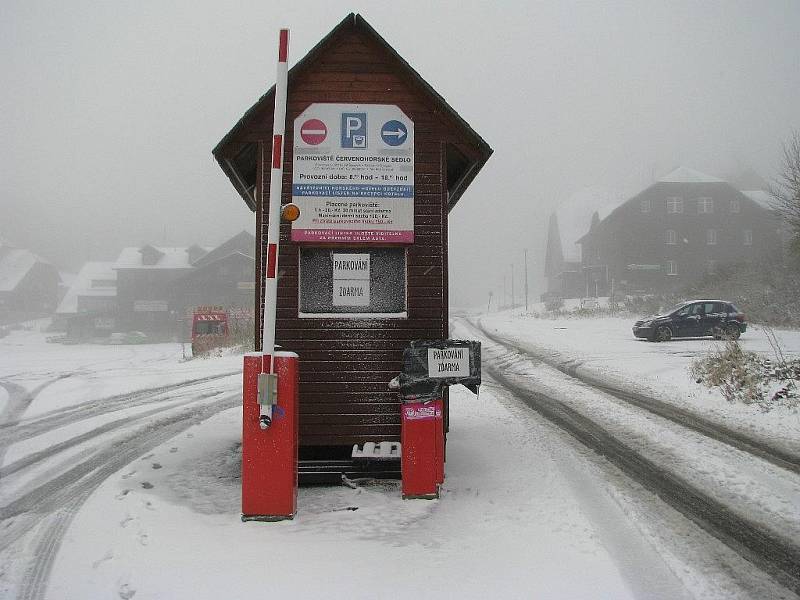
[
  {"x": 512, "y": 286},
  {"x": 489, "y": 306},
  {"x": 505, "y": 289},
  {"x": 525, "y": 254}
]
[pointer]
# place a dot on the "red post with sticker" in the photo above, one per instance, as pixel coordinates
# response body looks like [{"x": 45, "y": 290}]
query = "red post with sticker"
[
  {"x": 269, "y": 457},
  {"x": 421, "y": 438}
]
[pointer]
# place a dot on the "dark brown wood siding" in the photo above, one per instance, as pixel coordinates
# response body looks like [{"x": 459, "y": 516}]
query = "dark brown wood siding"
[{"x": 346, "y": 364}]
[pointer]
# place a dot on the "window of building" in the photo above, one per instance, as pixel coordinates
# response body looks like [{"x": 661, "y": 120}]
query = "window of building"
[
  {"x": 711, "y": 237},
  {"x": 96, "y": 283},
  {"x": 352, "y": 282},
  {"x": 705, "y": 206},
  {"x": 644, "y": 205},
  {"x": 736, "y": 206},
  {"x": 670, "y": 237},
  {"x": 674, "y": 205},
  {"x": 748, "y": 237},
  {"x": 672, "y": 267}
]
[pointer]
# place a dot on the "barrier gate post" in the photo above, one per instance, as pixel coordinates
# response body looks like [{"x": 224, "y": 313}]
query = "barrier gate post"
[{"x": 269, "y": 456}]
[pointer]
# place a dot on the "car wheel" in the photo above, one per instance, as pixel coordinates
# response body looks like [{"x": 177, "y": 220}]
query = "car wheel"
[
  {"x": 663, "y": 334},
  {"x": 734, "y": 332},
  {"x": 718, "y": 332}
]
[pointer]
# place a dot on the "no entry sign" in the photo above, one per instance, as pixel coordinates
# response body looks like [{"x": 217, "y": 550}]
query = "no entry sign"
[
  {"x": 313, "y": 132},
  {"x": 353, "y": 174}
]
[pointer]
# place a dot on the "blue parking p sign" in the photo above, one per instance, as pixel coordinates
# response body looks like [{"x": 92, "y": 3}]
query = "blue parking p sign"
[{"x": 354, "y": 130}]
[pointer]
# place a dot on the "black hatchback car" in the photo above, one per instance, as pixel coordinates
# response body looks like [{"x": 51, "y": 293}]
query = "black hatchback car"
[{"x": 695, "y": 318}]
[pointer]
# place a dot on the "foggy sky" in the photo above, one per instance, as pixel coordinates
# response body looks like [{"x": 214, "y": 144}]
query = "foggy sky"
[{"x": 109, "y": 110}]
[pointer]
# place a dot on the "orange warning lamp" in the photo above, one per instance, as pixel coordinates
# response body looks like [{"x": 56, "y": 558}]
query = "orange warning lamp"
[{"x": 290, "y": 212}]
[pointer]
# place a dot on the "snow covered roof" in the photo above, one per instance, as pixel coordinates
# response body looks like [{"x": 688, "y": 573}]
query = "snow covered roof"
[
  {"x": 98, "y": 272},
  {"x": 762, "y": 198},
  {"x": 687, "y": 175},
  {"x": 575, "y": 217},
  {"x": 14, "y": 265},
  {"x": 170, "y": 258}
]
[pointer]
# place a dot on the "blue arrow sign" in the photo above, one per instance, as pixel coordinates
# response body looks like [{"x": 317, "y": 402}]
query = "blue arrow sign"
[{"x": 394, "y": 133}]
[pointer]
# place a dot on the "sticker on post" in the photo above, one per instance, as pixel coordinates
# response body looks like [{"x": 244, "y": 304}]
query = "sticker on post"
[
  {"x": 448, "y": 362},
  {"x": 417, "y": 412}
]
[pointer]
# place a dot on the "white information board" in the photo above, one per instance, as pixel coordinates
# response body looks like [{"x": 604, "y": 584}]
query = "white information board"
[
  {"x": 448, "y": 362},
  {"x": 350, "y": 279},
  {"x": 353, "y": 174}
]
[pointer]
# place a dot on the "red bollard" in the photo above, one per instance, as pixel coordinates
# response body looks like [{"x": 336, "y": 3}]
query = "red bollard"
[
  {"x": 269, "y": 456},
  {"x": 422, "y": 437}
]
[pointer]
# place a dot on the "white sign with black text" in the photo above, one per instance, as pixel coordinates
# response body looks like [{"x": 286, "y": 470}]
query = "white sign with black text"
[
  {"x": 448, "y": 362},
  {"x": 350, "y": 279},
  {"x": 353, "y": 174}
]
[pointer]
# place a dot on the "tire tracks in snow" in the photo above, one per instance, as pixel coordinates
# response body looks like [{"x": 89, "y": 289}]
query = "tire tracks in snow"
[
  {"x": 686, "y": 418},
  {"x": 762, "y": 547},
  {"x": 20, "y": 430},
  {"x": 19, "y": 399},
  {"x": 62, "y": 497}
]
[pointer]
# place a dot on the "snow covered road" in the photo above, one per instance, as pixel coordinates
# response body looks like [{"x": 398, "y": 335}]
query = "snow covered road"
[
  {"x": 751, "y": 504},
  {"x": 122, "y": 481}
]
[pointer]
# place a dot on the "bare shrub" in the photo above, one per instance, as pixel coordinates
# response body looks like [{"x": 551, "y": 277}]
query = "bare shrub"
[{"x": 749, "y": 378}]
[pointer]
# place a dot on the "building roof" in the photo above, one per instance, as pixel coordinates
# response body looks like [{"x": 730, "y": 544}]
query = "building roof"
[
  {"x": 574, "y": 217},
  {"x": 171, "y": 258},
  {"x": 687, "y": 175},
  {"x": 82, "y": 285},
  {"x": 14, "y": 266},
  {"x": 243, "y": 242},
  {"x": 762, "y": 198},
  {"x": 241, "y": 175}
]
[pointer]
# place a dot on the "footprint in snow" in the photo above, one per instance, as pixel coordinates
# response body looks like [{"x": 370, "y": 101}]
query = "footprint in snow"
[
  {"x": 125, "y": 521},
  {"x": 156, "y": 466},
  {"x": 126, "y": 592},
  {"x": 173, "y": 450},
  {"x": 147, "y": 485},
  {"x": 122, "y": 494},
  {"x": 107, "y": 556}
]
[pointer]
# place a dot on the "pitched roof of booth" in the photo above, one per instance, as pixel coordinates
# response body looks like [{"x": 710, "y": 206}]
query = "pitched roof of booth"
[{"x": 358, "y": 23}]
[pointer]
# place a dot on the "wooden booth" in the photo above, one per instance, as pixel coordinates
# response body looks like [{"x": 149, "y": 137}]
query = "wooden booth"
[{"x": 376, "y": 159}]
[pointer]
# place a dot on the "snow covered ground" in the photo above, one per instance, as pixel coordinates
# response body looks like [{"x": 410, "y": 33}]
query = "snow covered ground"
[
  {"x": 525, "y": 511},
  {"x": 606, "y": 349}
]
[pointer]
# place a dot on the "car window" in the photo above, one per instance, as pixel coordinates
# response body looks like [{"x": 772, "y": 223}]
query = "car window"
[
  {"x": 684, "y": 311},
  {"x": 708, "y": 308},
  {"x": 674, "y": 310},
  {"x": 697, "y": 309},
  {"x": 719, "y": 308}
]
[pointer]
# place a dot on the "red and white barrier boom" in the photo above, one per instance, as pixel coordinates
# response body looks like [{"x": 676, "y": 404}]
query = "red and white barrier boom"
[
  {"x": 270, "y": 385},
  {"x": 274, "y": 219}
]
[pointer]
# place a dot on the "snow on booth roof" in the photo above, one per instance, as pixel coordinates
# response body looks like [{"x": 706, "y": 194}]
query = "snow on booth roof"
[
  {"x": 94, "y": 279},
  {"x": 687, "y": 175},
  {"x": 154, "y": 257}
]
